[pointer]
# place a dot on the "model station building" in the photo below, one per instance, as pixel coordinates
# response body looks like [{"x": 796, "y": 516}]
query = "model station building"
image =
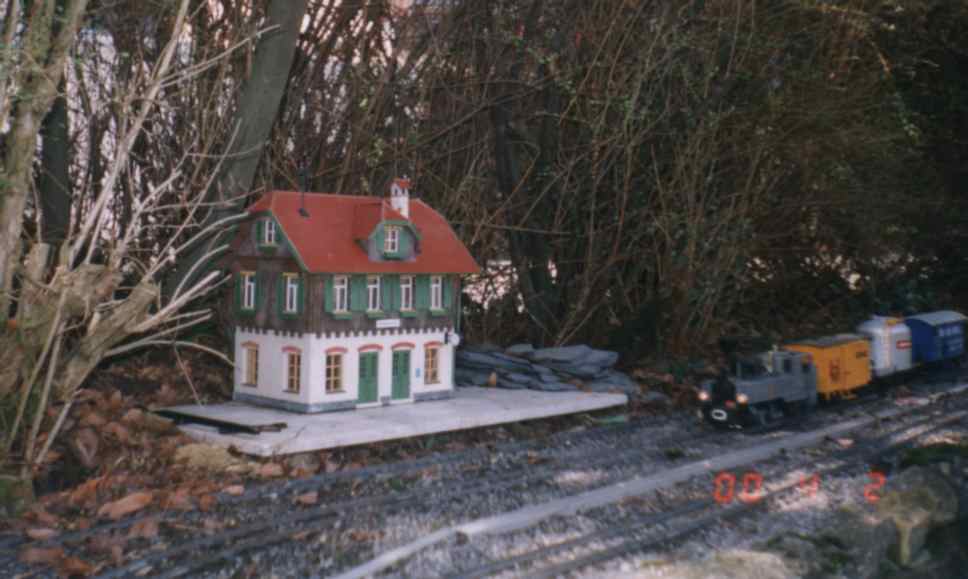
[{"x": 345, "y": 301}]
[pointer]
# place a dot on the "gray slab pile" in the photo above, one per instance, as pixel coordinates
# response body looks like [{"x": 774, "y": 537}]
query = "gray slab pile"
[{"x": 548, "y": 369}]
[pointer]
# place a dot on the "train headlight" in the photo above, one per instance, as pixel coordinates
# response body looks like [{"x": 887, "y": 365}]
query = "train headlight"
[
  {"x": 703, "y": 396},
  {"x": 742, "y": 398}
]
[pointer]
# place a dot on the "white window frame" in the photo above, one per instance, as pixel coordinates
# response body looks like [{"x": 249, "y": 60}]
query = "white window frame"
[
  {"x": 248, "y": 290},
  {"x": 341, "y": 293},
  {"x": 334, "y": 373},
  {"x": 251, "y": 377},
  {"x": 269, "y": 232},
  {"x": 373, "y": 287},
  {"x": 432, "y": 370},
  {"x": 391, "y": 239},
  {"x": 292, "y": 293},
  {"x": 406, "y": 293},
  {"x": 436, "y": 292},
  {"x": 293, "y": 380}
]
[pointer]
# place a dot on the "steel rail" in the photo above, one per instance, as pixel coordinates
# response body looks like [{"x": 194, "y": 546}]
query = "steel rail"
[
  {"x": 868, "y": 449},
  {"x": 483, "y": 485}
]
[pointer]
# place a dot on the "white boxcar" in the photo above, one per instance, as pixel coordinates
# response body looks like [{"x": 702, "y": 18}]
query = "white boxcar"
[{"x": 890, "y": 345}]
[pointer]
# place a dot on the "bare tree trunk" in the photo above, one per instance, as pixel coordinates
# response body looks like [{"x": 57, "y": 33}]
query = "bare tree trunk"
[
  {"x": 38, "y": 88},
  {"x": 258, "y": 109},
  {"x": 53, "y": 185},
  {"x": 529, "y": 251}
]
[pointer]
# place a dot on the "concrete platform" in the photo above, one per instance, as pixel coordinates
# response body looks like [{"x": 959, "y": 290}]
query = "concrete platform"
[{"x": 469, "y": 408}]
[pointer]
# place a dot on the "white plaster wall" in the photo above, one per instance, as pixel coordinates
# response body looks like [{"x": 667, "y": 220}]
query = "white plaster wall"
[
  {"x": 272, "y": 365},
  {"x": 385, "y": 338}
]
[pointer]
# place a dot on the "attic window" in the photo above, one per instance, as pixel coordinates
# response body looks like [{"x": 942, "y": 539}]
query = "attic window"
[
  {"x": 391, "y": 239},
  {"x": 269, "y": 232}
]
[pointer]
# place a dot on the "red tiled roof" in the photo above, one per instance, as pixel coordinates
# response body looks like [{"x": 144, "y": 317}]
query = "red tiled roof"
[
  {"x": 367, "y": 214},
  {"x": 326, "y": 240}
]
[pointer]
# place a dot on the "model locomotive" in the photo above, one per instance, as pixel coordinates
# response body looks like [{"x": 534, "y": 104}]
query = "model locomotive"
[{"x": 762, "y": 387}]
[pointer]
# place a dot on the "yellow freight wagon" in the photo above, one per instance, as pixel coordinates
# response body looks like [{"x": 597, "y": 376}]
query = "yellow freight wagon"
[{"x": 843, "y": 363}]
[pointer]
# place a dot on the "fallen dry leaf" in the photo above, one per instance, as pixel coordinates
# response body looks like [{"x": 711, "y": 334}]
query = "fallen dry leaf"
[
  {"x": 144, "y": 529},
  {"x": 166, "y": 396},
  {"x": 270, "y": 469},
  {"x": 179, "y": 500},
  {"x": 104, "y": 544},
  {"x": 53, "y": 455},
  {"x": 133, "y": 416},
  {"x": 41, "y": 533},
  {"x": 119, "y": 432},
  {"x": 129, "y": 504},
  {"x": 234, "y": 490},
  {"x": 206, "y": 503},
  {"x": 361, "y": 536},
  {"x": 301, "y": 535},
  {"x": 116, "y": 401},
  {"x": 85, "y": 493},
  {"x": 73, "y": 567},
  {"x": 300, "y": 472},
  {"x": 310, "y": 498},
  {"x": 93, "y": 419},
  {"x": 204, "y": 487},
  {"x": 36, "y": 555},
  {"x": 40, "y": 515}
]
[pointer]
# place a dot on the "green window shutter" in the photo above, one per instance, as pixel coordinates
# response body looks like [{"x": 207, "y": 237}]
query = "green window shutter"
[
  {"x": 406, "y": 240},
  {"x": 448, "y": 289},
  {"x": 260, "y": 231},
  {"x": 260, "y": 289},
  {"x": 386, "y": 294},
  {"x": 358, "y": 293},
  {"x": 392, "y": 293},
  {"x": 328, "y": 292},
  {"x": 379, "y": 238},
  {"x": 238, "y": 292},
  {"x": 422, "y": 292},
  {"x": 301, "y": 295},
  {"x": 281, "y": 294}
]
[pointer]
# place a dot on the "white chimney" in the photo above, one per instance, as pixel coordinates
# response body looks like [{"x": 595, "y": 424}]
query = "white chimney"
[{"x": 400, "y": 196}]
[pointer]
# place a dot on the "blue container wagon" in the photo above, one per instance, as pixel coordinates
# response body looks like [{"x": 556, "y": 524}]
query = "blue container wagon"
[{"x": 937, "y": 336}]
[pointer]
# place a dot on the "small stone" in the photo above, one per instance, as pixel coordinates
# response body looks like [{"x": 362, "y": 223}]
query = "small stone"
[
  {"x": 509, "y": 385},
  {"x": 520, "y": 350},
  {"x": 580, "y": 370},
  {"x": 917, "y": 500},
  {"x": 563, "y": 354},
  {"x": 208, "y": 457},
  {"x": 307, "y": 461}
]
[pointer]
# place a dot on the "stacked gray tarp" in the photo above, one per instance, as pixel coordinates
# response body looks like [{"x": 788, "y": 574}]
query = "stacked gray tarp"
[{"x": 550, "y": 369}]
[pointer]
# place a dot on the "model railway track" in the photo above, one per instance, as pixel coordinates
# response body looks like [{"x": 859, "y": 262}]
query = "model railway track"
[
  {"x": 602, "y": 435},
  {"x": 642, "y": 533},
  {"x": 487, "y": 476},
  {"x": 230, "y": 546},
  {"x": 261, "y": 535}
]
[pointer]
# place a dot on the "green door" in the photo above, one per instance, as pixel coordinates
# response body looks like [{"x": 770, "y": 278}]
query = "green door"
[
  {"x": 401, "y": 375},
  {"x": 367, "y": 384}
]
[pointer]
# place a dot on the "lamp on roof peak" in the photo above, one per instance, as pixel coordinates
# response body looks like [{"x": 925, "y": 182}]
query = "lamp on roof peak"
[{"x": 400, "y": 196}]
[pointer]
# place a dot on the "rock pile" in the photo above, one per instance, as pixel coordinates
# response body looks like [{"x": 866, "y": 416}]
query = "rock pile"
[{"x": 549, "y": 369}]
